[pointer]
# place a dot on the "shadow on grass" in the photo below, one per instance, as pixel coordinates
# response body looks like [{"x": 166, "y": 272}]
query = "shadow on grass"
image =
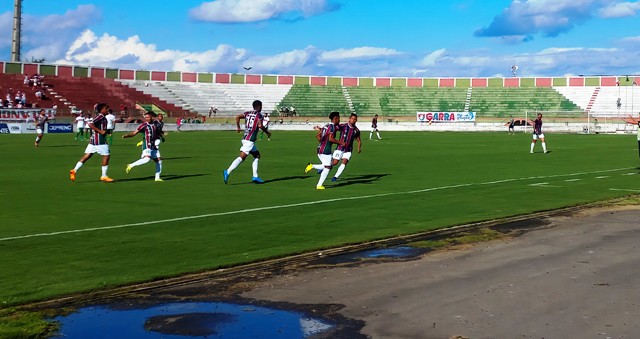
[
  {"x": 176, "y": 158},
  {"x": 360, "y": 179},
  {"x": 56, "y": 146},
  {"x": 295, "y": 177},
  {"x": 164, "y": 178}
]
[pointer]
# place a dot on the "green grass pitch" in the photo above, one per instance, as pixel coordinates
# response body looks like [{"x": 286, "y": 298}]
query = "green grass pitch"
[{"x": 59, "y": 237}]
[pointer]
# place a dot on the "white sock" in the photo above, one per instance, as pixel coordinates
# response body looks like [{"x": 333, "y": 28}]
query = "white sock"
[
  {"x": 323, "y": 176},
  {"x": 158, "y": 169},
  {"x": 254, "y": 166},
  {"x": 339, "y": 171},
  {"x": 318, "y": 167},
  {"x": 78, "y": 165},
  {"x": 104, "y": 170},
  {"x": 378, "y": 133},
  {"x": 141, "y": 162},
  {"x": 37, "y": 139},
  {"x": 370, "y": 135},
  {"x": 544, "y": 146},
  {"x": 532, "y": 144},
  {"x": 234, "y": 164}
]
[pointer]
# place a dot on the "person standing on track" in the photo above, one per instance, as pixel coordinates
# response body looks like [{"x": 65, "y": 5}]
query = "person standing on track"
[{"x": 253, "y": 124}]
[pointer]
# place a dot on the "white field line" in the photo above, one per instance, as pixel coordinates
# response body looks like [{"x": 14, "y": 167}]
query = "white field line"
[
  {"x": 316, "y": 202},
  {"x": 572, "y": 180}
]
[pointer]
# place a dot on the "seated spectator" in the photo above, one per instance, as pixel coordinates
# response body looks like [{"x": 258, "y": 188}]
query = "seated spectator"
[
  {"x": 38, "y": 94},
  {"x": 23, "y": 99},
  {"x": 26, "y": 81}
]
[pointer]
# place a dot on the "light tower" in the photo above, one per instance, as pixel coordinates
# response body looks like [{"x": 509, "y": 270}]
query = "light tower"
[{"x": 17, "y": 28}]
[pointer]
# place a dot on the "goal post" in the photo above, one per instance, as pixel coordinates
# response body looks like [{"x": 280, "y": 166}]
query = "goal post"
[{"x": 568, "y": 121}]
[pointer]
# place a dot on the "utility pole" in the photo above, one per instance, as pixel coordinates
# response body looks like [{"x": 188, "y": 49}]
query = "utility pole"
[{"x": 17, "y": 28}]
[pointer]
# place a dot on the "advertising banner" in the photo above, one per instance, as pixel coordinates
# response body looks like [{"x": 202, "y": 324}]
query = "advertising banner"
[
  {"x": 4, "y": 129},
  {"x": 445, "y": 116},
  {"x": 15, "y": 128},
  {"x": 24, "y": 114},
  {"x": 59, "y": 128}
]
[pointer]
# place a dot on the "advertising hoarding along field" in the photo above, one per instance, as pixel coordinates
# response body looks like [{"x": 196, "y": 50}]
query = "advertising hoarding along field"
[{"x": 446, "y": 116}]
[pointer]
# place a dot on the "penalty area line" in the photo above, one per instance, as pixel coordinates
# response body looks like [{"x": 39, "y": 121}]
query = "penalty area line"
[{"x": 307, "y": 203}]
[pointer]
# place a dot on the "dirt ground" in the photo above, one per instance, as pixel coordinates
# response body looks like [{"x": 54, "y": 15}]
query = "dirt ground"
[{"x": 576, "y": 277}]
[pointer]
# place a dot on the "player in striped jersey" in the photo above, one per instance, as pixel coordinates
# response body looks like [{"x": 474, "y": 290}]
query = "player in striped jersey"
[
  {"x": 327, "y": 138},
  {"x": 537, "y": 134},
  {"x": 253, "y": 124},
  {"x": 149, "y": 149},
  {"x": 348, "y": 134},
  {"x": 41, "y": 119},
  {"x": 97, "y": 143}
]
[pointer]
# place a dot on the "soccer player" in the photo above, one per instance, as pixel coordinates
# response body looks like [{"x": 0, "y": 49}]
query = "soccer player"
[
  {"x": 537, "y": 134},
  {"x": 326, "y": 137},
  {"x": 111, "y": 124},
  {"x": 80, "y": 126},
  {"x": 149, "y": 149},
  {"x": 639, "y": 138},
  {"x": 374, "y": 127},
  {"x": 512, "y": 125},
  {"x": 97, "y": 144},
  {"x": 41, "y": 119},
  {"x": 253, "y": 123},
  {"x": 265, "y": 122},
  {"x": 158, "y": 122},
  {"x": 348, "y": 133},
  {"x": 87, "y": 120}
]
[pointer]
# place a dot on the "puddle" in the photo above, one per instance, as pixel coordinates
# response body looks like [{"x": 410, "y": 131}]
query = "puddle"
[
  {"x": 189, "y": 320},
  {"x": 400, "y": 252}
]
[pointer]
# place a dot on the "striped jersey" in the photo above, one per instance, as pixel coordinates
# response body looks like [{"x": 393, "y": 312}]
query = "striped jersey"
[
  {"x": 99, "y": 122},
  {"x": 149, "y": 135},
  {"x": 348, "y": 134},
  {"x": 537, "y": 126},
  {"x": 159, "y": 126},
  {"x": 40, "y": 120},
  {"x": 251, "y": 125},
  {"x": 325, "y": 145},
  {"x": 374, "y": 123}
]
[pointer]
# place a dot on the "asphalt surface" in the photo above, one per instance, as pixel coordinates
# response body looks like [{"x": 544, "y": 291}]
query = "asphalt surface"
[{"x": 576, "y": 277}]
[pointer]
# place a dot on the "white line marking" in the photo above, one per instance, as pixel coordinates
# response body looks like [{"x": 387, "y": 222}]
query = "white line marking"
[
  {"x": 623, "y": 189},
  {"x": 572, "y": 180},
  {"x": 539, "y": 184},
  {"x": 144, "y": 223},
  {"x": 630, "y": 173},
  {"x": 602, "y": 177}
]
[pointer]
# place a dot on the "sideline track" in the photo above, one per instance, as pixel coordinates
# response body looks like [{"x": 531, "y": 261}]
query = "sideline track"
[{"x": 145, "y": 223}]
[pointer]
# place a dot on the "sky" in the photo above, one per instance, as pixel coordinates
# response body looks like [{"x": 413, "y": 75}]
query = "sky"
[{"x": 360, "y": 38}]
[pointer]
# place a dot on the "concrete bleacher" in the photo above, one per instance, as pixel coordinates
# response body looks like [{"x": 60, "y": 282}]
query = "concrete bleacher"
[
  {"x": 229, "y": 99},
  {"x": 503, "y": 102},
  {"x": 406, "y": 101},
  {"x": 315, "y": 100},
  {"x": 15, "y": 82},
  {"x": 603, "y": 101}
]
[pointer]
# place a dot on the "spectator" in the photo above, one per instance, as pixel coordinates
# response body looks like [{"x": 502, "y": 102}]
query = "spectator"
[
  {"x": 38, "y": 94},
  {"x": 213, "y": 110}
]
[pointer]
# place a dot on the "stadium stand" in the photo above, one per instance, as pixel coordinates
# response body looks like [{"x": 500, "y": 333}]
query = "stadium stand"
[
  {"x": 406, "y": 101},
  {"x": 315, "y": 100},
  {"x": 603, "y": 101},
  {"x": 11, "y": 82},
  {"x": 229, "y": 99},
  {"x": 502, "y": 102}
]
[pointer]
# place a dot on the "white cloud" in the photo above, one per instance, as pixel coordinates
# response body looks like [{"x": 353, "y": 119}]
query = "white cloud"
[
  {"x": 234, "y": 11},
  {"x": 621, "y": 9},
  {"x": 109, "y": 51},
  {"x": 360, "y": 53},
  {"x": 432, "y": 58}
]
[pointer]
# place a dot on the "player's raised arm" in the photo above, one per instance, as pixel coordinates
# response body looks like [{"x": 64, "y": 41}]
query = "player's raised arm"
[
  {"x": 130, "y": 135},
  {"x": 93, "y": 127}
]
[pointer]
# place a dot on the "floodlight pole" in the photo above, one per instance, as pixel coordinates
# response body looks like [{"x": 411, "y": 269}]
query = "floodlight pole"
[{"x": 17, "y": 28}]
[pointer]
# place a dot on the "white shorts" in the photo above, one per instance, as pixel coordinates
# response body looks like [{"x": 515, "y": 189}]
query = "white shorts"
[
  {"x": 157, "y": 142},
  {"x": 538, "y": 136},
  {"x": 151, "y": 153},
  {"x": 325, "y": 159},
  {"x": 248, "y": 147},
  {"x": 39, "y": 130},
  {"x": 100, "y": 149},
  {"x": 339, "y": 155}
]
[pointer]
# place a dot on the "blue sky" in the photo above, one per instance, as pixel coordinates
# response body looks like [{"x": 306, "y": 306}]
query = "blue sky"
[{"x": 396, "y": 38}]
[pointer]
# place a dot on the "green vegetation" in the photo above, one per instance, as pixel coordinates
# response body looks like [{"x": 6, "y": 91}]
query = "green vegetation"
[
  {"x": 59, "y": 237},
  {"x": 16, "y": 324}
]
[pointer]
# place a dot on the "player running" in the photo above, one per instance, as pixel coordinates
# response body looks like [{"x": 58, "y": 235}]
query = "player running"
[
  {"x": 253, "y": 124},
  {"x": 111, "y": 124},
  {"x": 326, "y": 137},
  {"x": 348, "y": 133},
  {"x": 97, "y": 144},
  {"x": 80, "y": 127},
  {"x": 40, "y": 122},
  {"x": 537, "y": 134},
  {"x": 149, "y": 149},
  {"x": 265, "y": 122}
]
